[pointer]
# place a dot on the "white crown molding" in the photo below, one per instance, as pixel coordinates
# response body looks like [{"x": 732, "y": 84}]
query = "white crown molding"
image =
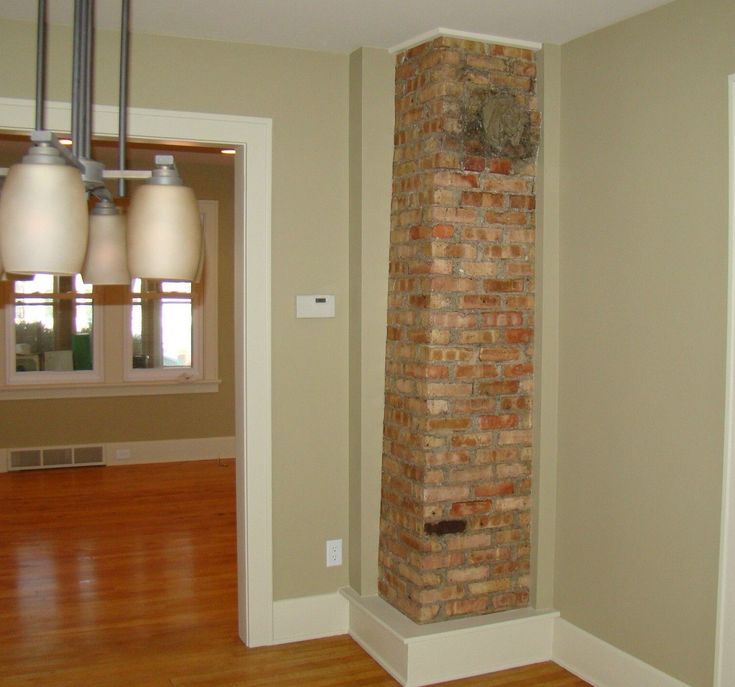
[{"x": 465, "y": 35}]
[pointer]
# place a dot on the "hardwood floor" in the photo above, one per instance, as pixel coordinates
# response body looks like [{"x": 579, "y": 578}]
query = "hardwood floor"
[{"x": 126, "y": 577}]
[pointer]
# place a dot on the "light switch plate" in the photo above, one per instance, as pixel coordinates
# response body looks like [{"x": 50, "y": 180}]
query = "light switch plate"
[{"x": 314, "y": 306}]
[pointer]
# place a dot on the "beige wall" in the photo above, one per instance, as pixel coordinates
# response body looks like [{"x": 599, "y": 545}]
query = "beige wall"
[
  {"x": 371, "y": 156},
  {"x": 546, "y": 361},
  {"x": 306, "y": 95},
  {"x": 644, "y": 227}
]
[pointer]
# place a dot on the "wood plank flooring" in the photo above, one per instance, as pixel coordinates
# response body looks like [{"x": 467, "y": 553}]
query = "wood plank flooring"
[{"x": 126, "y": 577}]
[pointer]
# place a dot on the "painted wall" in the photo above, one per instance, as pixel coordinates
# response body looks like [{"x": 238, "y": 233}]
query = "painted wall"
[
  {"x": 371, "y": 166},
  {"x": 306, "y": 94},
  {"x": 546, "y": 360},
  {"x": 644, "y": 226}
]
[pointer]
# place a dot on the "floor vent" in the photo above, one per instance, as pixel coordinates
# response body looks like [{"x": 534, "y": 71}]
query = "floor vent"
[{"x": 54, "y": 457}]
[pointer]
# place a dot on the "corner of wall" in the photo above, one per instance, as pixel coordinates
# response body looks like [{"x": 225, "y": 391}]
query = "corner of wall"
[
  {"x": 371, "y": 94},
  {"x": 547, "y": 313}
]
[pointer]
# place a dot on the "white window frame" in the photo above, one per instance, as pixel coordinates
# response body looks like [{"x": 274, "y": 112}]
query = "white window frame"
[
  {"x": 204, "y": 318},
  {"x": 52, "y": 377}
]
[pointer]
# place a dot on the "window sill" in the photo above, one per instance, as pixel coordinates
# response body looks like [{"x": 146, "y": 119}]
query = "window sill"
[{"x": 41, "y": 391}]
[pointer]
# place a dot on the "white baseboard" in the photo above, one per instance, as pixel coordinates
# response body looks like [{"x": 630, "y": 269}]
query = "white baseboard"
[
  {"x": 168, "y": 451},
  {"x": 602, "y": 664},
  {"x": 309, "y": 617},
  {"x": 418, "y": 655}
]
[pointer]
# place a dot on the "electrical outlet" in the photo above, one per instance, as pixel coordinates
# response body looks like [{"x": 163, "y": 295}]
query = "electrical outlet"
[{"x": 334, "y": 552}]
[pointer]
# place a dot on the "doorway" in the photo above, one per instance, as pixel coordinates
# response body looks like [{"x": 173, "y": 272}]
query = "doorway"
[{"x": 252, "y": 139}]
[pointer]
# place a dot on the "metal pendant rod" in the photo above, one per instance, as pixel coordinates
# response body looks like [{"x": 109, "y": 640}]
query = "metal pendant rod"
[
  {"x": 76, "y": 81},
  {"x": 88, "y": 75},
  {"x": 81, "y": 99},
  {"x": 40, "y": 63},
  {"x": 123, "y": 96}
]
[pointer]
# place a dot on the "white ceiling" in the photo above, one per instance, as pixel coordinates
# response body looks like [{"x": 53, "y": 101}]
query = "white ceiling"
[{"x": 344, "y": 25}]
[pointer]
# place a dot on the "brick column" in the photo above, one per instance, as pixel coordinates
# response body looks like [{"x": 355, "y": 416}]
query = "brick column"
[{"x": 455, "y": 514}]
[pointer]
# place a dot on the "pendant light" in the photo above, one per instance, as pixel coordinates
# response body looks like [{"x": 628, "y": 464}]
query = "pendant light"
[
  {"x": 43, "y": 206},
  {"x": 44, "y": 224},
  {"x": 164, "y": 228},
  {"x": 43, "y": 215},
  {"x": 105, "y": 261}
]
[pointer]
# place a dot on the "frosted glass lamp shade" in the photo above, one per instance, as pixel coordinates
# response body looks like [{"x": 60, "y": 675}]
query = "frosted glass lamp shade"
[
  {"x": 43, "y": 220},
  {"x": 106, "y": 260},
  {"x": 164, "y": 233}
]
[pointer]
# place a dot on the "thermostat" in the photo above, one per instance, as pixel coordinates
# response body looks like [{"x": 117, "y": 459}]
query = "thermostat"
[{"x": 314, "y": 306}]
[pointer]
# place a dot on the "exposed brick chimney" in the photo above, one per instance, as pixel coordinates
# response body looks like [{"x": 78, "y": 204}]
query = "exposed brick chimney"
[{"x": 455, "y": 515}]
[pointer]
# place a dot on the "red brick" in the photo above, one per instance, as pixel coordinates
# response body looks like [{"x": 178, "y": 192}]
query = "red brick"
[
  {"x": 481, "y": 234},
  {"x": 448, "y": 458},
  {"x": 480, "y": 336},
  {"x": 455, "y": 179},
  {"x": 506, "y": 217},
  {"x": 501, "y": 166},
  {"x": 425, "y": 596},
  {"x": 518, "y": 370},
  {"x": 498, "y": 388},
  {"x": 453, "y": 284},
  {"x": 449, "y": 423},
  {"x": 476, "y": 371},
  {"x": 463, "y": 575},
  {"x": 470, "y": 474},
  {"x": 507, "y": 184},
  {"x": 523, "y": 202},
  {"x": 474, "y": 163},
  {"x": 518, "y": 335},
  {"x": 497, "y": 421},
  {"x": 504, "y": 285},
  {"x": 490, "y": 586},
  {"x": 520, "y": 436},
  {"x": 495, "y": 489},
  {"x": 458, "y": 215},
  {"x": 462, "y": 542},
  {"x": 508, "y": 51},
  {"x": 503, "y": 319},
  {"x": 485, "y": 200},
  {"x": 440, "y": 390},
  {"x": 443, "y": 231},
  {"x": 499, "y": 354},
  {"x": 471, "y": 507},
  {"x": 483, "y": 302},
  {"x": 466, "y": 607}
]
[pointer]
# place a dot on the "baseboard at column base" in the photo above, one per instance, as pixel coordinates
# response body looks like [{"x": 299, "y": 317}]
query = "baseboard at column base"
[{"x": 417, "y": 655}]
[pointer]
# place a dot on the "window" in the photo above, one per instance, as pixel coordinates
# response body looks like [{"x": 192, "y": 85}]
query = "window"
[
  {"x": 65, "y": 338},
  {"x": 164, "y": 330},
  {"x": 51, "y": 323}
]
